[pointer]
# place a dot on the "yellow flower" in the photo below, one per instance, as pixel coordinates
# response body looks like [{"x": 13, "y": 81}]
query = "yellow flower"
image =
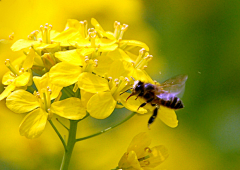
[
  {"x": 19, "y": 76},
  {"x": 39, "y": 39},
  {"x": 117, "y": 35},
  {"x": 41, "y": 108},
  {"x": 140, "y": 157},
  {"x": 104, "y": 101}
]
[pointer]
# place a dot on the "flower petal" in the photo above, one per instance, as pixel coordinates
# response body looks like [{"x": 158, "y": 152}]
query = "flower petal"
[
  {"x": 119, "y": 68},
  {"x": 70, "y": 56},
  {"x": 168, "y": 116},
  {"x": 131, "y": 103},
  {"x": 92, "y": 83},
  {"x": 134, "y": 43},
  {"x": 64, "y": 74},
  {"x": 107, "y": 48},
  {"x": 33, "y": 124},
  {"x": 23, "y": 79},
  {"x": 101, "y": 105},
  {"x": 70, "y": 108},
  {"x": 85, "y": 96},
  {"x": 100, "y": 30},
  {"x": 20, "y": 44},
  {"x": 28, "y": 63},
  {"x": 139, "y": 143},
  {"x": 158, "y": 155},
  {"x": 103, "y": 65},
  {"x": 44, "y": 82},
  {"x": 66, "y": 35},
  {"x": 7, "y": 91},
  {"x": 129, "y": 161},
  {"x": 142, "y": 75},
  {"x": 7, "y": 78},
  {"x": 21, "y": 101}
]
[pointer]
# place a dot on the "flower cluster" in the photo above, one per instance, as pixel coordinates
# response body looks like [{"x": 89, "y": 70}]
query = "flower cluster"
[{"x": 89, "y": 65}]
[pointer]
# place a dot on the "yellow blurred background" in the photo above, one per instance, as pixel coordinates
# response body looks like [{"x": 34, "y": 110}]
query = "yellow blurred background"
[{"x": 198, "y": 38}]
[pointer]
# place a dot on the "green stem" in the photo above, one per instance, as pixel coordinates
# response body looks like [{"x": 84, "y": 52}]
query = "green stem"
[
  {"x": 105, "y": 130},
  {"x": 59, "y": 135},
  {"x": 62, "y": 124},
  {"x": 70, "y": 145}
]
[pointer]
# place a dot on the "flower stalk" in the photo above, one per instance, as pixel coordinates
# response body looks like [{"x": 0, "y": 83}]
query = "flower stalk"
[{"x": 70, "y": 145}]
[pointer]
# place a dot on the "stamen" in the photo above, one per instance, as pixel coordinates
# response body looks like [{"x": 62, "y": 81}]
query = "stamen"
[
  {"x": 11, "y": 67},
  {"x": 58, "y": 97},
  {"x": 83, "y": 28},
  {"x": 116, "y": 82},
  {"x": 75, "y": 88},
  {"x": 86, "y": 59},
  {"x": 33, "y": 35},
  {"x": 147, "y": 149},
  {"x": 92, "y": 35},
  {"x": 142, "y": 59},
  {"x": 49, "y": 90},
  {"x": 123, "y": 29},
  {"x": 96, "y": 63},
  {"x": 127, "y": 80},
  {"x": 117, "y": 30},
  {"x": 21, "y": 70}
]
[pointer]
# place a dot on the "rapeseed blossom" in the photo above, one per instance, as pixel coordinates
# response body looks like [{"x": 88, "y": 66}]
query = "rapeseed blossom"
[
  {"x": 79, "y": 72},
  {"x": 140, "y": 157},
  {"x": 90, "y": 65},
  {"x": 41, "y": 108}
]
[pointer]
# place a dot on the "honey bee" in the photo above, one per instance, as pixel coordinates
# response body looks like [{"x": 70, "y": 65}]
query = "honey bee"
[{"x": 164, "y": 94}]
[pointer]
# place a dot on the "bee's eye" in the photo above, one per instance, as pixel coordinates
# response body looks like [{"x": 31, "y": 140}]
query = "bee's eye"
[
  {"x": 148, "y": 86},
  {"x": 138, "y": 87}
]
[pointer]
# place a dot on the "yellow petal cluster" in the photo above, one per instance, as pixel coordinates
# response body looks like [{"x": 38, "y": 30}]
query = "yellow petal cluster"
[{"x": 91, "y": 67}]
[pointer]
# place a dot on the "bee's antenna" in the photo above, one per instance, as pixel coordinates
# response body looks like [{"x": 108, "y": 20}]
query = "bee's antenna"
[
  {"x": 126, "y": 91},
  {"x": 133, "y": 78}
]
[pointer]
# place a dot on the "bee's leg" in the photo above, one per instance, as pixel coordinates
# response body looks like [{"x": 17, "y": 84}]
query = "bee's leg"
[
  {"x": 148, "y": 101},
  {"x": 153, "y": 117},
  {"x": 140, "y": 94}
]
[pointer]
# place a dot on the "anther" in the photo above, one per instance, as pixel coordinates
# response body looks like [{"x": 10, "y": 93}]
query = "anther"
[
  {"x": 96, "y": 62},
  {"x": 116, "y": 24},
  {"x": 142, "y": 51},
  {"x": 147, "y": 149},
  {"x": 7, "y": 62},
  {"x": 50, "y": 27},
  {"x": 124, "y": 27},
  {"x": 21, "y": 70},
  {"x": 49, "y": 90},
  {"x": 41, "y": 27},
  {"x": 11, "y": 36}
]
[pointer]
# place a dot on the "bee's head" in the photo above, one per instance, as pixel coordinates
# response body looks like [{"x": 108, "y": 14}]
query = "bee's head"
[{"x": 137, "y": 87}]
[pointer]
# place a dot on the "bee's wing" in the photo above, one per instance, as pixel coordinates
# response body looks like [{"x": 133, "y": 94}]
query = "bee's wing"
[{"x": 175, "y": 85}]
